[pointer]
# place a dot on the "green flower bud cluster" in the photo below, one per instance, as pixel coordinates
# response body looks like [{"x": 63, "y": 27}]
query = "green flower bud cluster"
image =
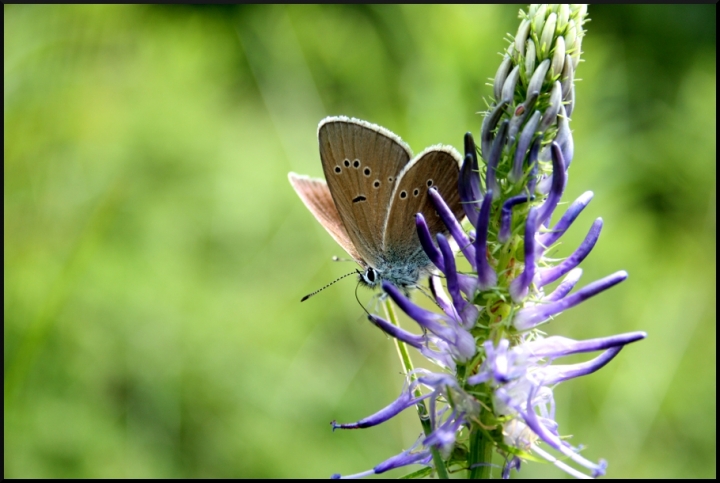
[
  {"x": 534, "y": 96},
  {"x": 534, "y": 89}
]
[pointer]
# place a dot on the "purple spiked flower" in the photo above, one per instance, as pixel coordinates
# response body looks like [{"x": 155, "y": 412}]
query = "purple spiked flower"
[{"x": 493, "y": 389}]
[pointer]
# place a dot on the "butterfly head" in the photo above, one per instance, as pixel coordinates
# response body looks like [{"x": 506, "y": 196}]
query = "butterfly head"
[{"x": 370, "y": 277}]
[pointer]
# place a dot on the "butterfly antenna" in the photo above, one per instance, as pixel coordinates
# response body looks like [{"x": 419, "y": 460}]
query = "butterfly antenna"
[
  {"x": 338, "y": 259},
  {"x": 326, "y": 286}
]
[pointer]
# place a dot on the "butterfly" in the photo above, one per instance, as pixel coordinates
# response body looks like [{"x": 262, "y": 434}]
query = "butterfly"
[{"x": 373, "y": 189}]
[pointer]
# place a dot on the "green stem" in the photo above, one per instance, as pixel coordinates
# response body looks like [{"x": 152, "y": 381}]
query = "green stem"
[
  {"x": 421, "y": 407},
  {"x": 480, "y": 457}
]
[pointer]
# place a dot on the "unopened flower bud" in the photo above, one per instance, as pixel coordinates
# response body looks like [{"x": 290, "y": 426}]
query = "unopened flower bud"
[
  {"x": 521, "y": 113},
  {"x": 488, "y": 126},
  {"x": 508, "y": 89},
  {"x": 538, "y": 77},
  {"x": 530, "y": 58},
  {"x": 570, "y": 101},
  {"x": 550, "y": 115},
  {"x": 500, "y": 76},
  {"x": 539, "y": 18},
  {"x": 579, "y": 10},
  {"x": 568, "y": 77},
  {"x": 547, "y": 35},
  {"x": 570, "y": 35},
  {"x": 563, "y": 17},
  {"x": 576, "y": 49},
  {"x": 558, "y": 59},
  {"x": 521, "y": 36}
]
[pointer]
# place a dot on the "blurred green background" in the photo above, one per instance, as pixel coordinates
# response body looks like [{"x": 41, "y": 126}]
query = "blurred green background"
[{"x": 155, "y": 253}]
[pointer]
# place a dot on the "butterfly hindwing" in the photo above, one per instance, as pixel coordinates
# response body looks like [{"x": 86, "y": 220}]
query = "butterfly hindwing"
[{"x": 438, "y": 167}]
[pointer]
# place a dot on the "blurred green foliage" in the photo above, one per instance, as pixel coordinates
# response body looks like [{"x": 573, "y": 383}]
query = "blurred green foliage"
[{"x": 155, "y": 254}]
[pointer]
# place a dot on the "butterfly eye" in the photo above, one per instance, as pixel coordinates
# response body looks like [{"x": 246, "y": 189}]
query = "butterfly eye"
[
  {"x": 416, "y": 192},
  {"x": 346, "y": 163},
  {"x": 338, "y": 169},
  {"x": 356, "y": 163},
  {"x": 403, "y": 195},
  {"x": 376, "y": 184},
  {"x": 367, "y": 171},
  {"x": 430, "y": 183},
  {"x": 370, "y": 275}
]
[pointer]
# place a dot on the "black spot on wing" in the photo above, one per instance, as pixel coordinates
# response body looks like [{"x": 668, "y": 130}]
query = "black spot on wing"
[{"x": 359, "y": 198}]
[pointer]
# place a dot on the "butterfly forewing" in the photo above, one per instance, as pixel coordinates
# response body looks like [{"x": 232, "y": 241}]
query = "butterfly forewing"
[
  {"x": 316, "y": 196},
  {"x": 437, "y": 167},
  {"x": 361, "y": 162}
]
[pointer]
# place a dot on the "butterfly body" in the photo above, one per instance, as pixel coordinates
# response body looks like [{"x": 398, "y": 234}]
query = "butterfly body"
[
  {"x": 401, "y": 269},
  {"x": 374, "y": 189}
]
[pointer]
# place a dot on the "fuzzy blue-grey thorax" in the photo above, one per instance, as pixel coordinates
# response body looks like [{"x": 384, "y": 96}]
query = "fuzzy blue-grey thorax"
[{"x": 402, "y": 270}]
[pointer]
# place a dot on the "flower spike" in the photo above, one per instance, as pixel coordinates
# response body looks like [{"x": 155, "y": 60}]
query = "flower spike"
[{"x": 496, "y": 372}]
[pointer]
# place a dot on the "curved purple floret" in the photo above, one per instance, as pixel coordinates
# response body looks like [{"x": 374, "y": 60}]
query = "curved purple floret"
[
  {"x": 565, "y": 286},
  {"x": 469, "y": 188},
  {"x": 559, "y": 178},
  {"x": 425, "y": 318},
  {"x": 404, "y": 401},
  {"x": 531, "y": 317},
  {"x": 512, "y": 464},
  {"x": 526, "y": 138},
  {"x": 403, "y": 459},
  {"x": 519, "y": 286},
  {"x": 557, "y": 346},
  {"x": 564, "y": 137},
  {"x": 466, "y": 311},
  {"x": 488, "y": 126},
  {"x": 441, "y": 298},
  {"x": 560, "y": 373},
  {"x": 549, "y": 275},
  {"x": 393, "y": 330},
  {"x": 494, "y": 158},
  {"x": 533, "y": 162},
  {"x": 456, "y": 230},
  {"x": 427, "y": 243},
  {"x": 570, "y": 215},
  {"x": 450, "y": 271},
  {"x": 506, "y": 216},
  {"x": 486, "y": 275}
]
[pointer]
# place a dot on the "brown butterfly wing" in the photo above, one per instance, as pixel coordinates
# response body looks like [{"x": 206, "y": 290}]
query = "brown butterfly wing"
[
  {"x": 437, "y": 166},
  {"x": 316, "y": 196},
  {"x": 361, "y": 162}
]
